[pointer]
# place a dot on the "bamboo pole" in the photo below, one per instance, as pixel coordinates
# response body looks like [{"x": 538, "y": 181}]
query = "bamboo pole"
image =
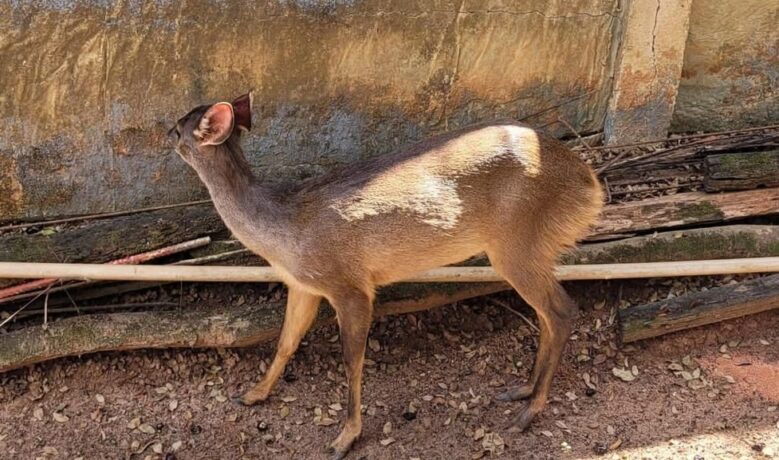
[
  {"x": 439, "y": 275},
  {"x": 13, "y": 291}
]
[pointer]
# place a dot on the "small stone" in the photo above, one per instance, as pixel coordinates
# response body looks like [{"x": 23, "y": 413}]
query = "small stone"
[{"x": 146, "y": 428}]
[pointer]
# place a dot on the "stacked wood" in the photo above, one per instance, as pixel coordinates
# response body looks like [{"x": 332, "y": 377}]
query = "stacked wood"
[
  {"x": 741, "y": 171},
  {"x": 700, "y": 308}
]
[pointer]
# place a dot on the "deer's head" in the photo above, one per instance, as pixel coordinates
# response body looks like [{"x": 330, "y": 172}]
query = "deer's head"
[{"x": 205, "y": 128}]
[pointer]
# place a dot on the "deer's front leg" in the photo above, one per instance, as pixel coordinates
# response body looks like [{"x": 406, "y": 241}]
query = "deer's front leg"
[
  {"x": 302, "y": 308},
  {"x": 354, "y": 314}
]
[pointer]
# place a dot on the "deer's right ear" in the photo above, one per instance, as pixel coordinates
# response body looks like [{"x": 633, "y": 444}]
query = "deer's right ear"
[
  {"x": 242, "y": 108},
  {"x": 215, "y": 125}
]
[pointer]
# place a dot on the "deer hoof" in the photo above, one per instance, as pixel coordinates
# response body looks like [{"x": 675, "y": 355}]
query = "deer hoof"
[
  {"x": 523, "y": 420},
  {"x": 515, "y": 393},
  {"x": 245, "y": 400}
]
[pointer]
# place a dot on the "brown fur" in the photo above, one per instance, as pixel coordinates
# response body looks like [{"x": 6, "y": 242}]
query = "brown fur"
[{"x": 498, "y": 188}]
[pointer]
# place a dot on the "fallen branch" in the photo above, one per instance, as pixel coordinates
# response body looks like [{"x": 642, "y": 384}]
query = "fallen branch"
[
  {"x": 236, "y": 327},
  {"x": 699, "y": 308}
]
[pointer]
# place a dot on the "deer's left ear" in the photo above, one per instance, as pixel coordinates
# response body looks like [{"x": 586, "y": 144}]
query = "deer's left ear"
[
  {"x": 216, "y": 124},
  {"x": 242, "y": 108}
]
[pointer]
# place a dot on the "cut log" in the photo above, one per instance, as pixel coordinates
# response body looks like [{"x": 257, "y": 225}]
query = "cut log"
[
  {"x": 686, "y": 209},
  {"x": 741, "y": 171},
  {"x": 234, "y": 327},
  {"x": 700, "y": 308},
  {"x": 108, "y": 239},
  {"x": 730, "y": 241}
]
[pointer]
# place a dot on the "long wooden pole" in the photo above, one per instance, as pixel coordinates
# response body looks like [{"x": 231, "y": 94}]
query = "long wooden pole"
[{"x": 439, "y": 275}]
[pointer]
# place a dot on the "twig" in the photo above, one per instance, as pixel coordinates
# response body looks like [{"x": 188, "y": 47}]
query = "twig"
[
  {"x": 541, "y": 112},
  {"x": 100, "y": 215},
  {"x": 503, "y": 304},
  {"x": 212, "y": 258},
  {"x": 13, "y": 315},
  {"x": 656, "y": 189},
  {"x": 608, "y": 190},
  {"x": 96, "y": 308},
  {"x": 689, "y": 136},
  {"x": 573, "y": 130}
]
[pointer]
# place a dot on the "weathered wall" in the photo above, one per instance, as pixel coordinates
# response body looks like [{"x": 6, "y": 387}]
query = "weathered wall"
[
  {"x": 89, "y": 87},
  {"x": 730, "y": 77}
]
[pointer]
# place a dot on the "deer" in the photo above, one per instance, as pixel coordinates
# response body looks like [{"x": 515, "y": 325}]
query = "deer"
[{"x": 499, "y": 188}]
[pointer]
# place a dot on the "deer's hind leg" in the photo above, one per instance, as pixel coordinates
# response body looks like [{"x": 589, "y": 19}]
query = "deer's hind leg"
[
  {"x": 533, "y": 279},
  {"x": 354, "y": 311},
  {"x": 302, "y": 308}
]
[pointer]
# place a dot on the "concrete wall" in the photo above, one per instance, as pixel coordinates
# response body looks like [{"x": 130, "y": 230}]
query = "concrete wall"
[
  {"x": 96, "y": 83},
  {"x": 731, "y": 66},
  {"x": 89, "y": 87}
]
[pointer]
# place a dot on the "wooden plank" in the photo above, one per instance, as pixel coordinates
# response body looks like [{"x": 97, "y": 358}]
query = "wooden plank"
[
  {"x": 741, "y": 171},
  {"x": 700, "y": 308},
  {"x": 694, "y": 208}
]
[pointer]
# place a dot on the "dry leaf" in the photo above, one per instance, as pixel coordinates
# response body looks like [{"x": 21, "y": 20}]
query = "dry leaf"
[
  {"x": 387, "y": 428},
  {"x": 100, "y": 398},
  {"x": 172, "y": 405},
  {"x": 492, "y": 442},
  {"x": 157, "y": 447},
  {"x": 289, "y": 399},
  {"x": 387, "y": 442},
  {"x": 59, "y": 417},
  {"x": 623, "y": 374},
  {"x": 38, "y": 413},
  {"x": 134, "y": 423}
]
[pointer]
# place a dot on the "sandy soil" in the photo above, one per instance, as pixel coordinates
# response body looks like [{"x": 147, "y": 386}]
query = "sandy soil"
[{"x": 707, "y": 393}]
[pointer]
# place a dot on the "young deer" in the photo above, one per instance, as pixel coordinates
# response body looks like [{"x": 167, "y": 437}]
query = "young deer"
[{"x": 498, "y": 188}]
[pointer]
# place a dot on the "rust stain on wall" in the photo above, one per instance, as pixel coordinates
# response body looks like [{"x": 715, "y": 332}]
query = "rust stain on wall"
[{"x": 10, "y": 188}]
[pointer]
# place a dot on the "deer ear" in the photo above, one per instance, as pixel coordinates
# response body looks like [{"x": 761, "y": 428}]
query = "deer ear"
[
  {"x": 216, "y": 124},
  {"x": 242, "y": 107}
]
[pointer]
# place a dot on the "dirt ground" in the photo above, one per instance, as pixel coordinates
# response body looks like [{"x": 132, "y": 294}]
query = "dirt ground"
[{"x": 430, "y": 383}]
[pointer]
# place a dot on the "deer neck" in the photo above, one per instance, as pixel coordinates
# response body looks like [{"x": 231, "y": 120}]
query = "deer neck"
[{"x": 251, "y": 210}]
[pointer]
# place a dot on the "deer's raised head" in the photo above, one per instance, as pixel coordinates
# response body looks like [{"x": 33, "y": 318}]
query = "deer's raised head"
[{"x": 205, "y": 127}]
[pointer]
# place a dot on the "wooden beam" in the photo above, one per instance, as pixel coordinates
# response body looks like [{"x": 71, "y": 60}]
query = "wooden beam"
[
  {"x": 741, "y": 171},
  {"x": 682, "y": 209},
  {"x": 700, "y": 308}
]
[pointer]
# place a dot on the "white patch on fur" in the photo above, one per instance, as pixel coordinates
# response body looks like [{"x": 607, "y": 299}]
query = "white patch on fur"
[
  {"x": 427, "y": 187},
  {"x": 434, "y": 199},
  {"x": 523, "y": 143}
]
